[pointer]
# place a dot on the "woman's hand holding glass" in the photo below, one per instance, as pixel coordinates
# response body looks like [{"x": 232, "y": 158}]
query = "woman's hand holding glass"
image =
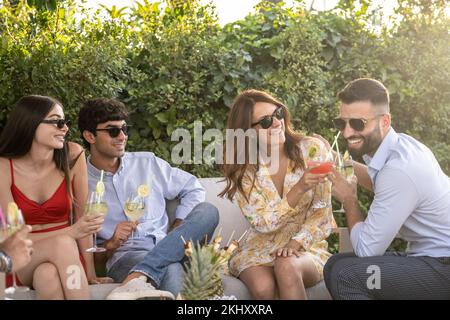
[
  {"x": 86, "y": 225},
  {"x": 95, "y": 211},
  {"x": 310, "y": 180}
]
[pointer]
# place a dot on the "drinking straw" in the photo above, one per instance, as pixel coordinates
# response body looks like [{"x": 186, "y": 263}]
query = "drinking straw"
[
  {"x": 240, "y": 238},
  {"x": 229, "y": 240},
  {"x": 338, "y": 154},
  {"x": 332, "y": 146},
  {"x": 219, "y": 232},
  {"x": 99, "y": 196}
]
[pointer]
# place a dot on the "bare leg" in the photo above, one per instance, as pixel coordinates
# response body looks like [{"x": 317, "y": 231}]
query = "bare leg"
[
  {"x": 62, "y": 252},
  {"x": 260, "y": 280},
  {"x": 294, "y": 274},
  {"x": 46, "y": 282}
]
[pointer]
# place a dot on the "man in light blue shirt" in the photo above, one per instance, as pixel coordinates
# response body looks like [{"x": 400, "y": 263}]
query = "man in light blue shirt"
[
  {"x": 411, "y": 201},
  {"x": 148, "y": 249}
]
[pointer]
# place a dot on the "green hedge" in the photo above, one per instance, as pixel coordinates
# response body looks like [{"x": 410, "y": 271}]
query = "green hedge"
[{"x": 174, "y": 64}]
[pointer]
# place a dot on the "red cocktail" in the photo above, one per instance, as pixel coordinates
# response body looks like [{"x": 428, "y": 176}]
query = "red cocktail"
[{"x": 320, "y": 167}]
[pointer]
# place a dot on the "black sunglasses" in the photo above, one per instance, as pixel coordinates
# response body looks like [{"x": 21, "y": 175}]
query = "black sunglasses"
[
  {"x": 267, "y": 121},
  {"x": 357, "y": 124},
  {"x": 60, "y": 123},
  {"x": 115, "y": 131}
]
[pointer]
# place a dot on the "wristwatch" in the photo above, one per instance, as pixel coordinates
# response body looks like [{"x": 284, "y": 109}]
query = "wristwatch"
[{"x": 5, "y": 262}]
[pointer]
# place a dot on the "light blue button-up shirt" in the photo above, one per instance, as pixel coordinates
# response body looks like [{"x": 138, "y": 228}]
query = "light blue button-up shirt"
[
  {"x": 166, "y": 182},
  {"x": 412, "y": 201}
]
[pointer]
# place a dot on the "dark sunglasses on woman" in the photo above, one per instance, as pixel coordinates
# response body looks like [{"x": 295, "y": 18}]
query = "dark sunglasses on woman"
[
  {"x": 60, "y": 123},
  {"x": 267, "y": 121},
  {"x": 115, "y": 131}
]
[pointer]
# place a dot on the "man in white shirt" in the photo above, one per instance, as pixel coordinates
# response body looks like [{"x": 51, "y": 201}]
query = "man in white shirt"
[{"x": 411, "y": 200}]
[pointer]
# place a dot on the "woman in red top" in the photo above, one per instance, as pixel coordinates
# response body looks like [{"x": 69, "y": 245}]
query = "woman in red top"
[{"x": 46, "y": 176}]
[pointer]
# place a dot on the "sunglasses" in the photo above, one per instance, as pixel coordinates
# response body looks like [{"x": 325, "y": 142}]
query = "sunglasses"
[
  {"x": 357, "y": 124},
  {"x": 60, "y": 123},
  {"x": 115, "y": 131},
  {"x": 267, "y": 121}
]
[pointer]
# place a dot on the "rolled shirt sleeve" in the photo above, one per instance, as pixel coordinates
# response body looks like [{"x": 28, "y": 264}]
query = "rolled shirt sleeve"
[
  {"x": 182, "y": 185},
  {"x": 396, "y": 197}
]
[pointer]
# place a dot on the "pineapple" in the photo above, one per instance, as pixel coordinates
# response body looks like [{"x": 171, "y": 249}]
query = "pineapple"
[
  {"x": 202, "y": 275},
  {"x": 202, "y": 279}
]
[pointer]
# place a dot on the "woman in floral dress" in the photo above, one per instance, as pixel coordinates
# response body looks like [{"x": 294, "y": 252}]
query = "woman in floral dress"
[{"x": 285, "y": 250}]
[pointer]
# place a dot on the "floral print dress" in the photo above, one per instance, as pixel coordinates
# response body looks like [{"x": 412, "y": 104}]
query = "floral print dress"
[{"x": 274, "y": 222}]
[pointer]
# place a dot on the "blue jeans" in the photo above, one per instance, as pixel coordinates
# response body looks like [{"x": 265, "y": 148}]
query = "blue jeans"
[{"x": 163, "y": 264}]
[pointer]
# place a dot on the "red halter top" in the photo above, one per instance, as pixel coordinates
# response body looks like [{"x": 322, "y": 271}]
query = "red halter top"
[{"x": 55, "y": 209}]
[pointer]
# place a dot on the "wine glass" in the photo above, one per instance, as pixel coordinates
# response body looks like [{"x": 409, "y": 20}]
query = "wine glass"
[
  {"x": 320, "y": 164},
  {"x": 3, "y": 227},
  {"x": 15, "y": 223},
  {"x": 134, "y": 208},
  {"x": 347, "y": 170},
  {"x": 96, "y": 205}
]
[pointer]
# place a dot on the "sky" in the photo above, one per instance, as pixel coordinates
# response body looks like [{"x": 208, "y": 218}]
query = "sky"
[{"x": 232, "y": 10}]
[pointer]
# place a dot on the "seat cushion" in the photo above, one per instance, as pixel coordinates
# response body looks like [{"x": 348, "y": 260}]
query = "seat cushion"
[{"x": 98, "y": 292}]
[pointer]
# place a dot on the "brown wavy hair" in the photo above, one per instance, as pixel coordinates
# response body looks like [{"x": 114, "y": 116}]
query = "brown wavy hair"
[{"x": 240, "y": 117}]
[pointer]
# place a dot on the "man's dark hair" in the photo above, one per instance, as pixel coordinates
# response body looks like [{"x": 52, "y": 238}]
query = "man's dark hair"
[
  {"x": 365, "y": 89},
  {"x": 97, "y": 111}
]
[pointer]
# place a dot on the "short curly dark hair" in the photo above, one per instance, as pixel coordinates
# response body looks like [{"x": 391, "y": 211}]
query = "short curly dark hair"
[{"x": 97, "y": 111}]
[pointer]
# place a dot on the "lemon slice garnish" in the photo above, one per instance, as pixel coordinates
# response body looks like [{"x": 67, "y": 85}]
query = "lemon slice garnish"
[
  {"x": 12, "y": 213},
  {"x": 100, "y": 188},
  {"x": 312, "y": 151},
  {"x": 346, "y": 156},
  {"x": 143, "y": 190},
  {"x": 12, "y": 207}
]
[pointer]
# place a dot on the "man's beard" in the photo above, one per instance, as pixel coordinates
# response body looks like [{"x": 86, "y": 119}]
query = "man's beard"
[{"x": 370, "y": 144}]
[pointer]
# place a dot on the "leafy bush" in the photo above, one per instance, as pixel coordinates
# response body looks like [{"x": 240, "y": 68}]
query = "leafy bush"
[{"x": 53, "y": 53}]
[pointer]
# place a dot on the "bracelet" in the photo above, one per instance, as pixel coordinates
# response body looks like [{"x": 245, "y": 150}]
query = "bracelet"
[{"x": 5, "y": 262}]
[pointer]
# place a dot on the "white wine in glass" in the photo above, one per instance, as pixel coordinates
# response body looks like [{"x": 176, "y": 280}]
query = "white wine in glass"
[
  {"x": 134, "y": 209},
  {"x": 15, "y": 223},
  {"x": 347, "y": 170},
  {"x": 96, "y": 206}
]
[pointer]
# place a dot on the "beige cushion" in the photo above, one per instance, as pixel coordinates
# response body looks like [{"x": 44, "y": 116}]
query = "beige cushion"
[{"x": 98, "y": 292}]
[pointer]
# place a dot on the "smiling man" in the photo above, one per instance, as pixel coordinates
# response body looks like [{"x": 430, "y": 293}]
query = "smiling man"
[
  {"x": 147, "y": 253},
  {"x": 411, "y": 201}
]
